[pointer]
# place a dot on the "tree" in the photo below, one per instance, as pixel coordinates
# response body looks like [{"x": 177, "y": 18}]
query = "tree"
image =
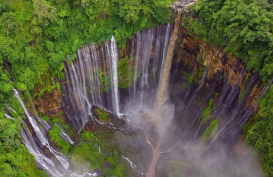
[
  {"x": 44, "y": 13},
  {"x": 4, "y": 7},
  {"x": 85, "y": 3},
  {"x": 8, "y": 20},
  {"x": 7, "y": 49}
]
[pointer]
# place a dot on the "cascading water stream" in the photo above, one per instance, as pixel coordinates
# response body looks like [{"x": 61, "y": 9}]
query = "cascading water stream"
[
  {"x": 43, "y": 161},
  {"x": 36, "y": 127},
  {"x": 162, "y": 92},
  {"x": 93, "y": 80},
  {"x": 83, "y": 86},
  {"x": 147, "y": 60},
  {"x": 52, "y": 161},
  {"x": 112, "y": 57},
  {"x": 64, "y": 135},
  {"x": 9, "y": 117}
]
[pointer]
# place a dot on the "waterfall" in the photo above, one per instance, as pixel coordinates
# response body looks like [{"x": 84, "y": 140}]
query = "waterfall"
[
  {"x": 162, "y": 94},
  {"x": 9, "y": 117},
  {"x": 45, "y": 124},
  {"x": 93, "y": 78},
  {"x": 151, "y": 46},
  {"x": 83, "y": 86},
  {"x": 112, "y": 60},
  {"x": 64, "y": 135},
  {"x": 35, "y": 125},
  {"x": 50, "y": 160},
  {"x": 56, "y": 167}
]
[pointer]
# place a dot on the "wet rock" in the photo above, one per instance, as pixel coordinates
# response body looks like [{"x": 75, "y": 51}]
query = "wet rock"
[
  {"x": 182, "y": 4},
  {"x": 49, "y": 103}
]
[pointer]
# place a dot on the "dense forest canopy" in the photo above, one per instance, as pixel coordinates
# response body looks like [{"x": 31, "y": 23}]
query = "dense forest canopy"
[{"x": 36, "y": 36}]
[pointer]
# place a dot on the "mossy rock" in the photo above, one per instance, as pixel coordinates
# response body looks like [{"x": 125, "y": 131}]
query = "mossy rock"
[{"x": 210, "y": 131}]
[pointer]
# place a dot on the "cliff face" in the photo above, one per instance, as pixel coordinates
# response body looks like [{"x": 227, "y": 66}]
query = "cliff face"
[
  {"x": 197, "y": 69},
  {"x": 214, "y": 96},
  {"x": 210, "y": 90},
  {"x": 197, "y": 59},
  {"x": 49, "y": 104}
]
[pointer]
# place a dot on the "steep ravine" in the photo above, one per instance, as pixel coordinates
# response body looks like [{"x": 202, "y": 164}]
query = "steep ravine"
[{"x": 214, "y": 96}]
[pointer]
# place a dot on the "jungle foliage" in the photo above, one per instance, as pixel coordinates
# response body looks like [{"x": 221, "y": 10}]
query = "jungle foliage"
[
  {"x": 15, "y": 160},
  {"x": 260, "y": 133}
]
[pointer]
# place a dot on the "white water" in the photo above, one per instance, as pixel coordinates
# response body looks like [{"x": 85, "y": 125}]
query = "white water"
[
  {"x": 36, "y": 127},
  {"x": 52, "y": 162},
  {"x": 64, "y": 135},
  {"x": 45, "y": 124},
  {"x": 85, "y": 90},
  {"x": 112, "y": 57},
  {"x": 83, "y": 87},
  {"x": 43, "y": 161},
  {"x": 9, "y": 117},
  {"x": 133, "y": 166},
  {"x": 151, "y": 48},
  {"x": 93, "y": 79}
]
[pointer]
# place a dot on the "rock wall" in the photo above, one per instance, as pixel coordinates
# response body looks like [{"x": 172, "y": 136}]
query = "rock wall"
[
  {"x": 195, "y": 65},
  {"x": 206, "y": 85},
  {"x": 49, "y": 104},
  {"x": 194, "y": 57}
]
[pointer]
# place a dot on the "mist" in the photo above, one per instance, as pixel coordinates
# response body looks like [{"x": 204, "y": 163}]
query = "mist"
[
  {"x": 185, "y": 161},
  {"x": 191, "y": 157}
]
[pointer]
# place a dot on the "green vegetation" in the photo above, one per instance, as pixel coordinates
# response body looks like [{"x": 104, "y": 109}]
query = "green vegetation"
[
  {"x": 124, "y": 79},
  {"x": 243, "y": 27},
  {"x": 55, "y": 137},
  {"x": 124, "y": 69},
  {"x": 96, "y": 151},
  {"x": 105, "y": 81},
  {"x": 260, "y": 134},
  {"x": 103, "y": 115},
  {"x": 175, "y": 168},
  {"x": 210, "y": 131},
  {"x": 242, "y": 93},
  {"x": 37, "y": 36},
  {"x": 47, "y": 119},
  {"x": 190, "y": 78},
  {"x": 207, "y": 111},
  {"x": 15, "y": 160}
]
